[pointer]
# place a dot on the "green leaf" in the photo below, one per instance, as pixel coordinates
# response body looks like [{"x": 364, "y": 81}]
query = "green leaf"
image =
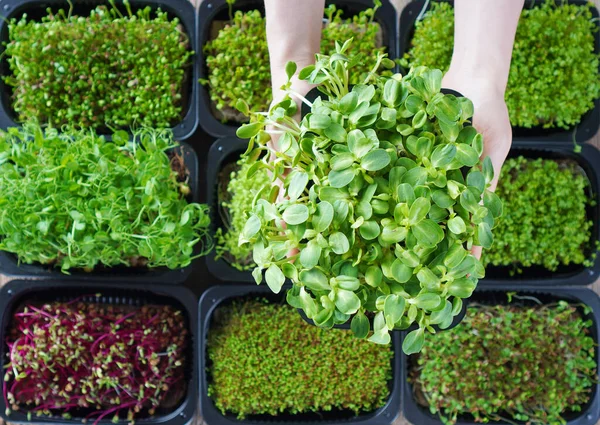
[
  {"x": 373, "y": 276},
  {"x": 275, "y": 278},
  {"x": 468, "y": 201},
  {"x": 257, "y": 275},
  {"x": 290, "y": 69},
  {"x": 442, "y": 199},
  {"x": 476, "y": 179},
  {"x": 347, "y": 301},
  {"x": 247, "y": 131},
  {"x": 375, "y": 160},
  {"x": 441, "y": 315},
  {"x": 297, "y": 185},
  {"x": 433, "y": 81},
  {"x": 416, "y": 176},
  {"x": 359, "y": 144},
  {"x": 360, "y": 325},
  {"x": 419, "y": 210},
  {"x": 336, "y": 132},
  {"x": 342, "y": 161},
  {"x": 393, "y": 234},
  {"x": 349, "y": 283},
  {"x": 393, "y": 309},
  {"x": 413, "y": 342},
  {"x": 319, "y": 121},
  {"x": 391, "y": 93},
  {"x": 308, "y": 303},
  {"x": 339, "y": 179},
  {"x": 251, "y": 228},
  {"x": 427, "y": 301},
  {"x": 369, "y": 230},
  {"x": 315, "y": 280},
  {"x": 401, "y": 272},
  {"x": 323, "y": 216},
  {"x": 483, "y": 235},
  {"x": 443, "y": 155},
  {"x": 488, "y": 169},
  {"x": 428, "y": 279},
  {"x": 457, "y": 225},
  {"x": 348, "y": 103},
  {"x": 339, "y": 243},
  {"x": 405, "y": 193},
  {"x": 466, "y": 155},
  {"x": 310, "y": 254},
  {"x": 381, "y": 337},
  {"x": 428, "y": 233},
  {"x": 461, "y": 288},
  {"x": 295, "y": 214},
  {"x": 493, "y": 203}
]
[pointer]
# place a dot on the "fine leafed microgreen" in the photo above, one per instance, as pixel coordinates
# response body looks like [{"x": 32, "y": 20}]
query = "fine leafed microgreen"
[
  {"x": 92, "y": 361},
  {"x": 545, "y": 220},
  {"x": 236, "y": 193},
  {"x": 72, "y": 200},
  {"x": 106, "y": 69},
  {"x": 509, "y": 363},
  {"x": 381, "y": 200},
  {"x": 315, "y": 370},
  {"x": 553, "y": 79},
  {"x": 237, "y": 60}
]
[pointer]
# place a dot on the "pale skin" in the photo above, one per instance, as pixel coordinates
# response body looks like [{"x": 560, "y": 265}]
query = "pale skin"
[{"x": 484, "y": 34}]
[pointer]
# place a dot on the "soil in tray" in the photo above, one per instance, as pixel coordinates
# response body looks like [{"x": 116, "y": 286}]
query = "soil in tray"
[
  {"x": 509, "y": 361},
  {"x": 265, "y": 363},
  {"x": 259, "y": 94},
  {"x": 117, "y": 97},
  {"x": 547, "y": 224},
  {"x": 94, "y": 370}
]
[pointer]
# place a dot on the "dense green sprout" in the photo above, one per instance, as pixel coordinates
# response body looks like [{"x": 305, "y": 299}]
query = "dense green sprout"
[
  {"x": 545, "y": 221},
  {"x": 509, "y": 363},
  {"x": 235, "y": 195},
  {"x": 237, "y": 59},
  {"x": 553, "y": 79},
  {"x": 105, "y": 69},
  {"x": 72, "y": 200},
  {"x": 253, "y": 344}
]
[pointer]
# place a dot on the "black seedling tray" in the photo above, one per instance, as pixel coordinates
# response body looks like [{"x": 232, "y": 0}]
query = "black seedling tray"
[
  {"x": 218, "y": 10},
  {"x": 574, "y": 274},
  {"x": 493, "y": 295},
  {"x": 17, "y": 292},
  {"x": 36, "y": 9},
  {"x": 9, "y": 264},
  {"x": 590, "y": 122},
  {"x": 218, "y": 295},
  {"x": 223, "y": 152}
]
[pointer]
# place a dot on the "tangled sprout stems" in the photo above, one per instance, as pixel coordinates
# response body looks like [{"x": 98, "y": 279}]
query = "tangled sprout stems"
[
  {"x": 82, "y": 358},
  {"x": 72, "y": 200},
  {"x": 73, "y": 70},
  {"x": 253, "y": 343},
  {"x": 509, "y": 363}
]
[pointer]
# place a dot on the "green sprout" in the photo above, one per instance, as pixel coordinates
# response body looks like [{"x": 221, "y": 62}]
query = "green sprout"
[
  {"x": 382, "y": 196},
  {"x": 74, "y": 70},
  {"x": 544, "y": 202},
  {"x": 509, "y": 363},
  {"x": 71, "y": 200},
  {"x": 236, "y": 193},
  {"x": 252, "y": 344},
  {"x": 553, "y": 79}
]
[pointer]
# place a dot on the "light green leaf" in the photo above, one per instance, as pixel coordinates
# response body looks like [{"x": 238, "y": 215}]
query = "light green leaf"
[
  {"x": 314, "y": 279},
  {"x": 310, "y": 254},
  {"x": 428, "y": 233},
  {"x": 275, "y": 278},
  {"x": 360, "y": 325},
  {"x": 418, "y": 210},
  {"x": 295, "y": 214},
  {"x": 347, "y": 302},
  {"x": 339, "y": 243},
  {"x": 339, "y": 179},
  {"x": 322, "y": 217},
  {"x": 297, "y": 185},
  {"x": 427, "y": 301},
  {"x": 457, "y": 225},
  {"x": 413, "y": 343},
  {"x": 375, "y": 160},
  {"x": 462, "y": 288}
]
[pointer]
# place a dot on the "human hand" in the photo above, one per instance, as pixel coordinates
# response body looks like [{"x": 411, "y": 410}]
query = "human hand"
[{"x": 490, "y": 118}]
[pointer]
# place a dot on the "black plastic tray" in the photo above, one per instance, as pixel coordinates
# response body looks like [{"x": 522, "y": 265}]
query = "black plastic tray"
[
  {"x": 217, "y": 295},
  {"x": 222, "y": 152},
  {"x": 36, "y": 9},
  {"x": 590, "y": 122},
  {"x": 9, "y": 264},
  {"x": 589, "y": 161},
  {"x": 589, "y": 414},
  {"x": 16, "y": 292},
  {"x": 211, "y": 10}
]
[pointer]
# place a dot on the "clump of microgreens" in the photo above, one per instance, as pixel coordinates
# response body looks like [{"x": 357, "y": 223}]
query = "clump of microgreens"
[
  {"x": 72, "y": 200},
  {"x": 85, "y": 358},
  {"x": 531, "y": 364},
  {"x": 237, "y": 60},
  {"x": 235, "y": 196},
  {"x": 276, "y": 345},
  {"x": 381, "y": 200},
  {"x": 553, "y": 79},
  {"x": 73, "y": 70},
  {"x": 544, "y": 202}
]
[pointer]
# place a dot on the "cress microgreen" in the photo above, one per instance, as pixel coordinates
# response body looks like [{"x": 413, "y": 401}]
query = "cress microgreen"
[
  {"x": 278, "y": 346},
  {"x": 553, "y": 79},
  {"x": 63, "y": 357},
  {"x": 75, "y": 70},
  {"x": 237, "y": 59},
  {"x": 509, "y": 363},
  {"x": 72, "y": 200},
  {"x": 381, "y": 199},
  {"x": 236, "y": 193},
  {"x": 545, "y": 220}
]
